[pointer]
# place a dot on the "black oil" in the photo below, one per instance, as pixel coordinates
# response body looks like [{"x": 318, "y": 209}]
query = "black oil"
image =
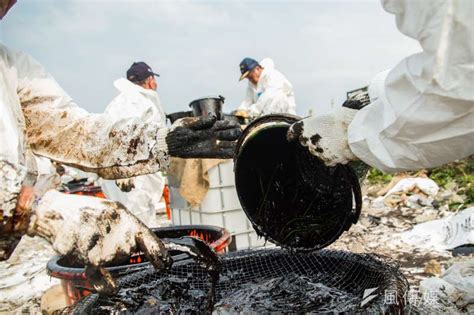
[
  {"x": 290, "y": 196},
  {"x": 203, "y": 254},
  {"x": 170, "y": 295},
  {"x": 287, "y": 293},
  {"x": 290, "y": 292},
  {"x": 259, "y": 281}
]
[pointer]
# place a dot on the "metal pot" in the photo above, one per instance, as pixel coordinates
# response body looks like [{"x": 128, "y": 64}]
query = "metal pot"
[
  {"x": 289, "y": 195},
  {"x": 208, "y": 105}
]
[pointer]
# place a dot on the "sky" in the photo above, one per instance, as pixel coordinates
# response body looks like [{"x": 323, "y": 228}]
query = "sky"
[{"x": 325, "y": 48}]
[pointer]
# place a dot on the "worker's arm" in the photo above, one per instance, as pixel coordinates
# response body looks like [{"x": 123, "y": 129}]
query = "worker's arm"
[
  {"x": 113, "y": 148},
  {"x": 421, "y": 113}
]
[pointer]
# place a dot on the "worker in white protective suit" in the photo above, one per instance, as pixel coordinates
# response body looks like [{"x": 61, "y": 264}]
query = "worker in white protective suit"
[
  {"x": 138, "y": 98},
  {"x": 39, "y": 118},
  {"x": 268, "y": 90},
  {"x": 419, "y": 114}
]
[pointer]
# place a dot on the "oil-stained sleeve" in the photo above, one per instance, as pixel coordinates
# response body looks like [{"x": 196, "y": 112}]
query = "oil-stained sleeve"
[{"x": 59, "y": 129}]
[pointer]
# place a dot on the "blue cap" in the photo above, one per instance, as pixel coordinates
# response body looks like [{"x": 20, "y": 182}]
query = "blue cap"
[
  {"x": 247, "y": 65},
  {"x": 139, "y": 71}
]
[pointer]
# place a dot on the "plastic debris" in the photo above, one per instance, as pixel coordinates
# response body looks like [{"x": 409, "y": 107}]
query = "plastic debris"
[
  {"x": 443, "y": 234},
  {"x": 455, "y": 285},
  {"x": 426, "y": 185}
]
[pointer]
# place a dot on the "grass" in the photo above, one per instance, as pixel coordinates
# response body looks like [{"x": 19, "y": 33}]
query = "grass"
[
  {"x": 461, "y": 173},
  {"x": 378, "y": 177}
]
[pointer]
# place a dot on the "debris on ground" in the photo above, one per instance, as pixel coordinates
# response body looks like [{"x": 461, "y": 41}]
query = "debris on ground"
[
  {"x": 409, "y": 206},
  {"x": 394, "y": 206},
  {"x": 443, "y": 234},
  {"x": 455, "y": 285}
]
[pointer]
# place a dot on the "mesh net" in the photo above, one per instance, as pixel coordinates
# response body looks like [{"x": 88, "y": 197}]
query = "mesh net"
[{"x": 269, "y": 280}]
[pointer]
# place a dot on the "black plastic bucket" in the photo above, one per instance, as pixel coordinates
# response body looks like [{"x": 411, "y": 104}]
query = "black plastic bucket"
[
  {"x": 289, "y": 195},
  {"x": 208, "y": 105}
]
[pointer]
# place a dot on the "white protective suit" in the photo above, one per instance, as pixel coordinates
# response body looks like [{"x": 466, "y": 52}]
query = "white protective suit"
[
  {"x": 421, "y": 111},
  {"x": 38, "y": 116},
  {"x": 273, "y": 93},
  {"x": 134, "y": 102},
  {"x": 48, "y": 178}
]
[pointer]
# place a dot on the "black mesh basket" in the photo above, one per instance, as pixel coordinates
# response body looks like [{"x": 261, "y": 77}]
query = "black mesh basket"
[{"x": 262, "y": 281}]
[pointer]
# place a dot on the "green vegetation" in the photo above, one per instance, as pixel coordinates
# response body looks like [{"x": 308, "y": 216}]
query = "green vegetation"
[
  {"x": 378, "y": 177},
  {"x": 461, "y": 173}
]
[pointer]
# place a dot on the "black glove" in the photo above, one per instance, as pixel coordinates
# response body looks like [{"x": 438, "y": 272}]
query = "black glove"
[
  {"x": 178, "y": 115},
  {"x": 203, "y": 137}
]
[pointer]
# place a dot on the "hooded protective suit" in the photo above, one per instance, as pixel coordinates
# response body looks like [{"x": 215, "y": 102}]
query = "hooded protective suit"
[
  {"x": 272, "y": 94},
  {"x": 135, "y": 101},
  {"x": 421, "y": 113}
]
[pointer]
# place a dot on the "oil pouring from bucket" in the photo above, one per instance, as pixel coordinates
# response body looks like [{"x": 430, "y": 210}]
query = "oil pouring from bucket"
[{"x": 292, "y": 198}]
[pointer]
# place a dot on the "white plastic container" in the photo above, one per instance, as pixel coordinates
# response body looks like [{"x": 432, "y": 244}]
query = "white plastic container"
[{"x": 220, "y": 207}]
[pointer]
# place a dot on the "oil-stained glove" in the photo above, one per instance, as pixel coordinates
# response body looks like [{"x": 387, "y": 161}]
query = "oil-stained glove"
[
  {"x": 178, "y": 115},
  {"x": 202, "y": 137},
  {"x": 96, "y": 233},
  {"x": 125, "y": 185},
  {"x": 326, "y": 136}
]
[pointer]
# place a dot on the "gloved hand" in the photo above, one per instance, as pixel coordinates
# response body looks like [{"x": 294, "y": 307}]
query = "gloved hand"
[
  {"x": 178, "y": 115},
  {"x": 125, "y": 185},
  {"x": 325, "y": 136},
  {"x": 202, "y": 137},
  {"x": 95, "y": 232}
]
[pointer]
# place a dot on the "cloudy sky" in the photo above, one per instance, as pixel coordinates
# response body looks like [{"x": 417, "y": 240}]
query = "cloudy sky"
[{"x": 325, "y": 48}]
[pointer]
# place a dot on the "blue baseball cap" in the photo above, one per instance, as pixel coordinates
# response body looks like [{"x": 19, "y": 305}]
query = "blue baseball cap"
[
  {"x": 247, "y": 65},
  {"x": 139, "y": 71}
]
